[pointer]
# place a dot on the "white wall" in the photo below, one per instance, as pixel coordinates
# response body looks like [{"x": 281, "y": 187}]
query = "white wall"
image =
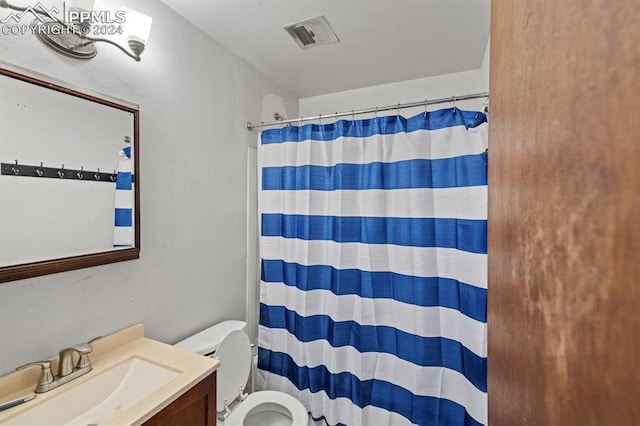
[
  {"x": 462, "y": 83},
  {"x": 195, "y": 98}
]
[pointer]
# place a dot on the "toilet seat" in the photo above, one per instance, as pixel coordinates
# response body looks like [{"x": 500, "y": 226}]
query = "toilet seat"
[
  {"x": 261, "y": 401},
  {"x": 234, "y": 354}
]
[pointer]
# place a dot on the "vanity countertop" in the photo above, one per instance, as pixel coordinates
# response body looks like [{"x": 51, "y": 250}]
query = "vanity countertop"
[{"x": 108, "y": 352}]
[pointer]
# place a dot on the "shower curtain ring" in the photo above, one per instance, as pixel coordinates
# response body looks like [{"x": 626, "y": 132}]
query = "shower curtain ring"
[
  {"x": 353, "y": 115},
  {"x": 376, "y": 113},
  {"x": 426, "y": 102},
  {"x": 398, "y": 110}
]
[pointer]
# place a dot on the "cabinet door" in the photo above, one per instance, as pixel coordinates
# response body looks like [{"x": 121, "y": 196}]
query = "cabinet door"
[{"x": 197, "y": 407}]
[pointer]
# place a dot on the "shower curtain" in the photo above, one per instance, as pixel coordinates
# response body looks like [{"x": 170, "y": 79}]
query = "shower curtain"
[{"x": 374, "y": 268}]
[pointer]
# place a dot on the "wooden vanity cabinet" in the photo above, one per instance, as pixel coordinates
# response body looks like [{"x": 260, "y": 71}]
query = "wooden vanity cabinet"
[{"x": 196, "y": 407}]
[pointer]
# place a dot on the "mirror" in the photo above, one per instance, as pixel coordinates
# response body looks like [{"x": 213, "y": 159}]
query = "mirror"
[{"x": 69, "y": 186}]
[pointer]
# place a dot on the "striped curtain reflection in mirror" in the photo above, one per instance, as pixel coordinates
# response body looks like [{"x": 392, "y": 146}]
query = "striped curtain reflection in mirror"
[
  {"x": 374, "y": 268},
  {"x": 123, "y": 234}
]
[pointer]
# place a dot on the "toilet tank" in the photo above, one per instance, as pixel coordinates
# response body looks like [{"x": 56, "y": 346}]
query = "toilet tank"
[{"x": 206, "y": 342}]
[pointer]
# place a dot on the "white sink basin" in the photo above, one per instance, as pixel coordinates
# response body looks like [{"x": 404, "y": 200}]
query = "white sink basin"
[{"x": 99, "y": 399}]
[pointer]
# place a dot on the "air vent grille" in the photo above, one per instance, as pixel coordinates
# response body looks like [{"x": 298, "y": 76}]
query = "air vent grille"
[
  {"x": 312, "y": 32},
  {"x": 303, "y": 34}
]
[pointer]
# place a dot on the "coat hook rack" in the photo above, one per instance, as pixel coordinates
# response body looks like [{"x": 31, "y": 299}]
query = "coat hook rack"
[{"x": 42, "y": 172}]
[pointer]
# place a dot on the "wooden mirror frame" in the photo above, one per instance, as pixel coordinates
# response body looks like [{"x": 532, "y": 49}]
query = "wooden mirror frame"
[{"x": 56, "y": 265}]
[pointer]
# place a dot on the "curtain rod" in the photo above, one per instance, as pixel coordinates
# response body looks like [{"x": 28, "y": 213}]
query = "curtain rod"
[{"x": 424, "y": 103}]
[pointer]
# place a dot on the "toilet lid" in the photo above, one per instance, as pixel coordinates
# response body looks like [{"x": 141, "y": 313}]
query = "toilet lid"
[{"x": 234, "y": 354}]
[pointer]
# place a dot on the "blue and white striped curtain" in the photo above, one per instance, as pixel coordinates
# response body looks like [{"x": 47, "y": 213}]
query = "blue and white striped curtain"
[{"x": 374, "y": 268}]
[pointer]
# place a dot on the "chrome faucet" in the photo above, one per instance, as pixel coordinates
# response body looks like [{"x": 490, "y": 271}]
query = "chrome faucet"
[{"x": 66, "y": 370}]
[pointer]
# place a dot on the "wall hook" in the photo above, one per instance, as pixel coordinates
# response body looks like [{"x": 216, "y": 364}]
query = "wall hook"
[
  {"x": 39, "y": 171},
  {"x": 96, "y": 175},
  {"x": 61, "y": 172},
  {"x": 15, "y": 169},
  {"x": 113, "y": 177},
  {"x": 80, "y": 174}
]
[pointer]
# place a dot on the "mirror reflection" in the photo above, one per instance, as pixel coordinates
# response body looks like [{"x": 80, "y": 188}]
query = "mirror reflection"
[{"x": 68, "y": 184}]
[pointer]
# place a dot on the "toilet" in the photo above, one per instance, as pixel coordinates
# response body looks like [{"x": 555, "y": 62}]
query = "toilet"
[{"x": 228, "y": 342}]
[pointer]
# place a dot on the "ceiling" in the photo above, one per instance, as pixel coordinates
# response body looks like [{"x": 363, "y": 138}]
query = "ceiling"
[{"x": 381, "y": 41}]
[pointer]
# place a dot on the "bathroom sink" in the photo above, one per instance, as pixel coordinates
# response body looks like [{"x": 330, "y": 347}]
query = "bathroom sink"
[{"x": 98, "y": 399}]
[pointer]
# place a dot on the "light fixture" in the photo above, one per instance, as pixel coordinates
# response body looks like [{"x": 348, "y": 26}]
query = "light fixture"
[{"x": 81, "y": 27}]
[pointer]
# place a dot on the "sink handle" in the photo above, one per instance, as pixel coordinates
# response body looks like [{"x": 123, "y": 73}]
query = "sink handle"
[
  {"x": 46, "y": 377},
  {"x": 83, "y": 350}
]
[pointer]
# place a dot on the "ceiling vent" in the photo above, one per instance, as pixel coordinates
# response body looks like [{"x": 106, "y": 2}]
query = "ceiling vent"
[{"x": 312, "y": 32}]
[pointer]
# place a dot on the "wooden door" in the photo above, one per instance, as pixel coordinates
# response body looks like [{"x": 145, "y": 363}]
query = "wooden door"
[{"x": 564, "y": 213}]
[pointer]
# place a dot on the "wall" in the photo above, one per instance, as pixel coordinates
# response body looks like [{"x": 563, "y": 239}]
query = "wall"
[
  {"x": 195, "y": 98},
  {"x": 442, "y": 86}
]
